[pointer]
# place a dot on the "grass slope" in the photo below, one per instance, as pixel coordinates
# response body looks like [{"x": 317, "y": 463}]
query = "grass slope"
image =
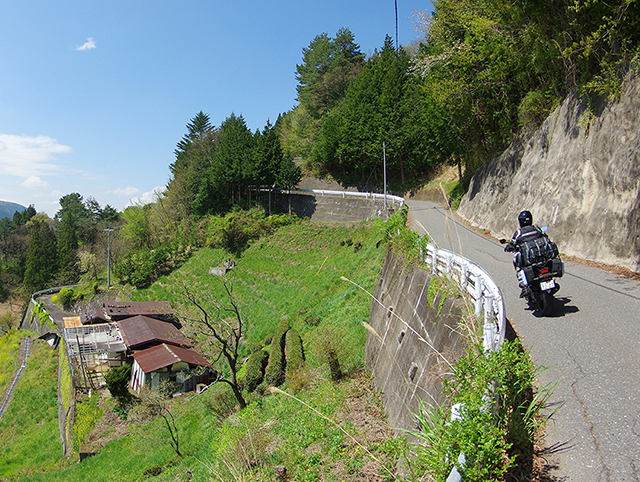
[{"x": 317, "y": 429}]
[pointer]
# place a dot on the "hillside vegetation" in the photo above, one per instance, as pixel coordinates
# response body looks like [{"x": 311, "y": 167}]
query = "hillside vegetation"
[{"x": 295, "y": 276}]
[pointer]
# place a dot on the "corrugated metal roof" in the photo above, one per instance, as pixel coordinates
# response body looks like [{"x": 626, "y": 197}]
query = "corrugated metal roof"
[
  {"x": 118, "y": 310},
  {"x": 141, "y": 330},
  {"x": 162, "y": 356},
  {"x": 94, "y": 317}
]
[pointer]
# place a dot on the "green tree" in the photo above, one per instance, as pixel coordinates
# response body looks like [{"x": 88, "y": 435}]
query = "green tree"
[
  {"x": 42, "y": 257},
  {"x": 117, "y": 380},
  {"x": 194, "y": 155},
  {"x": 375, "y": 109},
  {"x": 67, "y": 249}
]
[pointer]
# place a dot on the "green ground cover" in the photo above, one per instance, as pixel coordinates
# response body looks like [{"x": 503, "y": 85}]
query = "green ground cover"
[
  {"x": 318, "y": 429},
  {"x": 29, "y": 436}
]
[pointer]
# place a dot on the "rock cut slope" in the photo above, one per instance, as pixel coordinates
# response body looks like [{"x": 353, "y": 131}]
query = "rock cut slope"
[{"x": 579, "y": 174}]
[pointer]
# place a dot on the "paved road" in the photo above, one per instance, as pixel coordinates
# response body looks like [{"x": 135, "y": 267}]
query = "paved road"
[{"x": 591, "y": 347}]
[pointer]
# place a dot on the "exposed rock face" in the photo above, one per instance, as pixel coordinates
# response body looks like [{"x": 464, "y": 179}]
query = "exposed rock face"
[{"x": 580, "y": 178}]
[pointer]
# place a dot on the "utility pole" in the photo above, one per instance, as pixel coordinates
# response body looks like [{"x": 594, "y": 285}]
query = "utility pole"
[
  {"x": 109, "y": 231},
  {"x": 384, "y": 167}
]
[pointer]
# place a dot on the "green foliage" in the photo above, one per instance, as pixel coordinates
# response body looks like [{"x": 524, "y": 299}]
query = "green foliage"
[
  {"x": 117, "y": 380},
  {"x": 275, "y": 371},
  {"x": 42, "y": 315},
  {"x": 294, "y": 352},
  {"x": 255, "y": 369},
  {"x": 499, "y": 416},
  {"x": 236, "y": 229},
  {"x": 86, "y": 415},
  {"x": 42, "y": 258},
  {"x": 404, "y": 240},
  {"x": 66, "y": 297},
  {"x": 142, "y": 267}
]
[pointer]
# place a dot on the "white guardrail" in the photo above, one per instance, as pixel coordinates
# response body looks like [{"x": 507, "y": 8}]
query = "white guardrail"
[
  {"x": 488, "y": 304},
  {"x": 480, "y": 286},
  {"x": 367, "y": 195},
  {"x": 343, "y": 194}
]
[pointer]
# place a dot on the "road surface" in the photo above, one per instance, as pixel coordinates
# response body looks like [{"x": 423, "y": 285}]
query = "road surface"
[{"x": 591, "y": 348}]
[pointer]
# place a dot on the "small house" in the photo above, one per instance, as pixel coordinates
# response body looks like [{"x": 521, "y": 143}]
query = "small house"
[
  {"x": 168, "y": 363},
  {"x": 140, "y": 332}
]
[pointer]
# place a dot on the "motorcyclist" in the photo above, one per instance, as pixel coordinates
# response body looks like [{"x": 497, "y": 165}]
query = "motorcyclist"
[{"x": 527, "y": 231}]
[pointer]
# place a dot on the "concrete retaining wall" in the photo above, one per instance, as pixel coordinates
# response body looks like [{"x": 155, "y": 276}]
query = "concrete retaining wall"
[
  {"x": 414, "y": 343},
  {"x": 332, "y": 209}
]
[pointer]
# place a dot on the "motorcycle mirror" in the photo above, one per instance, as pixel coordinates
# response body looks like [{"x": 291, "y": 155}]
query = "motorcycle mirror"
[{"x": 503, "y": 241}]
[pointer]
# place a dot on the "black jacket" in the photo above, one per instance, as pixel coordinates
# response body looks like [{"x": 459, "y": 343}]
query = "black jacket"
[{"x": 522, "y": 235}]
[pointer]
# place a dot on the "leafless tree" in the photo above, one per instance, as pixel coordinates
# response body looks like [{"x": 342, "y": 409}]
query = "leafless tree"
[
  {"x": 154, "y": 403},
  {"x": 220, "y": 322}
]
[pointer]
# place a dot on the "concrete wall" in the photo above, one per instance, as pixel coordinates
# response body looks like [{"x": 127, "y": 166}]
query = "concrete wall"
[
  {"x": 579, "y": 174},
  {"x": 331, "y": 208},
  {"x": 413, "y": 344}
]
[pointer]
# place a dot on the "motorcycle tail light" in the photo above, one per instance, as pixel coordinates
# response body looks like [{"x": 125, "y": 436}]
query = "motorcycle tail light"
[{"x": 544, "y": 271}]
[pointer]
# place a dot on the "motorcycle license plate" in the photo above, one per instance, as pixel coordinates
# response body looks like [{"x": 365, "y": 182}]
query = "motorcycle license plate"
[{"x": 547, "y": 285}]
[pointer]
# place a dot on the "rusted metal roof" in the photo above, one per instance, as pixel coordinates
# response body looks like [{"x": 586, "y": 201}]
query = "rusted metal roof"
[
  {"x": 121, "y": 310},
  {"x": 162, "y": 356},
  {"x": 92, "y": 317},
  {"x": 142, "y": 330}
]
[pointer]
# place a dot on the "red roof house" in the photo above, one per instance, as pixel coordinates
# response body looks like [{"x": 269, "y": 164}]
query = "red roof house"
[
  {"x": 140, "y": 332},
  {"x": 168, "y": 363}
]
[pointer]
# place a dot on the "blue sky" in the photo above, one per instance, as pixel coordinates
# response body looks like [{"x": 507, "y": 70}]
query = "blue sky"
[{"x": 94, "y": 96}]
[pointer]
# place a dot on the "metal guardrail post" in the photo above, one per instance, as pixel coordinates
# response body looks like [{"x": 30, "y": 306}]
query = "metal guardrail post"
[{"x": 478, "y": 295}]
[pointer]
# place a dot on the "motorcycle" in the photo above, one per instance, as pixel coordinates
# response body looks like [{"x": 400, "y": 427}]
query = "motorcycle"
[{"x": 537, "y": 269}]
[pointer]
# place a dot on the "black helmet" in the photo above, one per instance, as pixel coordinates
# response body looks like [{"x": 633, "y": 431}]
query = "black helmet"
[{"x": 525, "y": 219}]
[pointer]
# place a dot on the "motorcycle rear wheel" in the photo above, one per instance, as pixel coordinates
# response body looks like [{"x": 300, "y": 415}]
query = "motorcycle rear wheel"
[{"x": 547, "y": 302}]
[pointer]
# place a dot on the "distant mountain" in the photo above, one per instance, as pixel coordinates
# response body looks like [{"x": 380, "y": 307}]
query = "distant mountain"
[{"x": 7, "y": 209}]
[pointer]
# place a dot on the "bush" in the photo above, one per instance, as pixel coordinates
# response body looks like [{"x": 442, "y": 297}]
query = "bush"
[
  {"x": 117, "y": 380},
  {"x": 293, "y": 352},
  {"x": 66, "y": 297},
  {"x": 255, "y": 369},
  {"x": 330, "y": 347},
  {"x": 141, "y": 268},
  {"x": 499, "y": 416},
  {"x": 275, "y": 372},
  {"x": 236, "y": 229}
]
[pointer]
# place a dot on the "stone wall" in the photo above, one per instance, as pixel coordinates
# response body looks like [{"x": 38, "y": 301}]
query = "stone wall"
[
  {"x": 412, "y": 344},
  {"x": 579, "y": 174}
]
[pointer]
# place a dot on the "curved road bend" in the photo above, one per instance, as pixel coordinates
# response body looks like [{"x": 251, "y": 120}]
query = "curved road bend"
[{"x": 591, "y": 347}]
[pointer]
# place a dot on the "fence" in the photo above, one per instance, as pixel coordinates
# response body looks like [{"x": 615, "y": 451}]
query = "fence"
[
  {"x": 484, "y": 291},
  {"x": 488, "y": 304}
]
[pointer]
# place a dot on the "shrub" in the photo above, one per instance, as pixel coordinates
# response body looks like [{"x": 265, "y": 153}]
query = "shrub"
[
  {"x": 275, "y": 371},
  {"x": 143, "y": 267},
  {"x": 117, "y": 380},
  {"x": 329, "y": 346},
  {"x": 499, "y": 416},
  {"x": 255, "y": 369},
  {"x": 66, "y": 297},
  {"x": 293, "y": 352},
  {"x": 236, "y": 229}
]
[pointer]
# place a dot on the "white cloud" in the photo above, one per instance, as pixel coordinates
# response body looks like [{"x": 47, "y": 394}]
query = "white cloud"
[
  {"x": 27, "y": 156},
  {"x": 147, "y": 197},
  {"x": 88, "y": 45},
  {"x": 34, "y": 182},
  {"x": 125, "y": 191}
]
